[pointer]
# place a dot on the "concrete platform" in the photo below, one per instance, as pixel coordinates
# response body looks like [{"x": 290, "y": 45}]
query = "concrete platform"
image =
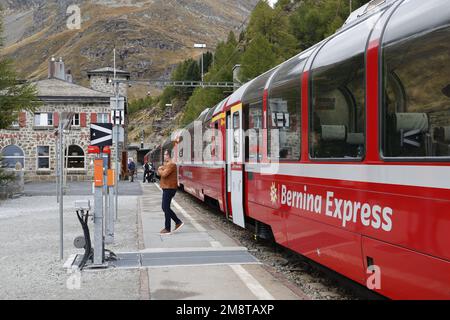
[
  {"x": 198, "y": 262},
  {"x": 215, "y": 276}
]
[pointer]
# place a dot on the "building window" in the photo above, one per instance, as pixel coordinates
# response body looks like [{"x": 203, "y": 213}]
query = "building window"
[
  {"x": 12, "y": 157},
  {"x": 103, "y": 118},
  {"x": 43, "y": 119},
  {"x": 43, "y": 157},
  {"x": 416, "y": 94},
  {"x": 76, "y": 120},
  {"x": 75, "y": 157}
]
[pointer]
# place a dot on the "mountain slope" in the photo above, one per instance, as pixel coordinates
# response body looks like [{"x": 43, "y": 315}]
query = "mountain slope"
[{"x": 151, "y": 36}]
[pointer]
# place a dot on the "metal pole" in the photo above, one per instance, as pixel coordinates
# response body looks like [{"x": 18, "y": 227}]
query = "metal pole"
[
  {"x": 109, "y": 219},
  {"x": 66, "y": 163},
  {"x": 57, "y": 165},
  {"x": 350, "y": 6},
  {"x": 98, "y": 225},
  {"x": 111, "y": 212},
  {"x": 61, "y": 194},
  {"x": 116, "y": 187},
  {"x": 116, "y": 192}
]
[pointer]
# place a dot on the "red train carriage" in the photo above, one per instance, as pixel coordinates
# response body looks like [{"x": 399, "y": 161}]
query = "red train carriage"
[{"x": 344, "y": 150}]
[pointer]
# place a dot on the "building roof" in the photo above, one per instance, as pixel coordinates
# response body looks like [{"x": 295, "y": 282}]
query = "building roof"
[
  {"x": 60, "y": 89},
  {"x": 108, "y": 70}
]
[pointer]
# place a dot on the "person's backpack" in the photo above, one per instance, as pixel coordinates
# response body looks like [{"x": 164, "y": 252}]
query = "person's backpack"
[{"x": 132, "y": 166}]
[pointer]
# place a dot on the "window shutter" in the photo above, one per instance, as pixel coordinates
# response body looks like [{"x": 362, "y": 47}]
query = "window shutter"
[
  {"x": 55, "y": 119},
  {"x": 83, "y": 120},
  {"x": 22, "y": 119},
  {"x": 93, "y": 117}
]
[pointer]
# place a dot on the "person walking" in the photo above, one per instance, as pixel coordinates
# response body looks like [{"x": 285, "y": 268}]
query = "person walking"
[
  {"x": 169, "y": 184},
  {"x": 146, "y": 172},
  {"x": 131, "y": 168}
]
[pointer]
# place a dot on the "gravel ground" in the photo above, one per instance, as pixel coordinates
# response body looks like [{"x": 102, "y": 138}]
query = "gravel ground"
[
  {"x": 29, "y": 252},
  {"x": 316, "y": 283}
]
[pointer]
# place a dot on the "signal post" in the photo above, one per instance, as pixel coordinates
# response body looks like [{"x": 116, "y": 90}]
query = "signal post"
[{"x": 101, "y": 141}]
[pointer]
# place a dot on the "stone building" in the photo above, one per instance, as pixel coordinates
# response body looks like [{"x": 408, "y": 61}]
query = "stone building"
[
  {"x": 30, "y": 143},
  {"x": 100, "y": 79}
]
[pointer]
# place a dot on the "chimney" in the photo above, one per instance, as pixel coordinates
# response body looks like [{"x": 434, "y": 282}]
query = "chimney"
[
  {"x": 56, "y": 69},
  {"x": 69, "y": 77},
  {"x": 60, "y": 72},
  {"x": 51, "y": 67}
]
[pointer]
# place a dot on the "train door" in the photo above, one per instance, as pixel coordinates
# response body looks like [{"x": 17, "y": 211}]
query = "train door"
[
  {"x": 236, "y": 155},
  {"x": 228, "y": 152}
]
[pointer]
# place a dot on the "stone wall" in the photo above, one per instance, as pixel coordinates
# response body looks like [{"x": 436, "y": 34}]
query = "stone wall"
[
  {"x": 101, "y": 83},
  {"x": 28, "y": 138}
]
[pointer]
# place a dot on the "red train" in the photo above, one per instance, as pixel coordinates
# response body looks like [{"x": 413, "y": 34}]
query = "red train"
[{"x": 343, "y": 150}]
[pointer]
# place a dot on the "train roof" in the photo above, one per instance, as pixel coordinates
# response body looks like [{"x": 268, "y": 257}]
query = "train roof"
[
  {"x": 365, "y": 10},
  {"x": 236, "y": 97},
  {"x": 220, "y": 107},
  {"x": 202, "y": 115}
]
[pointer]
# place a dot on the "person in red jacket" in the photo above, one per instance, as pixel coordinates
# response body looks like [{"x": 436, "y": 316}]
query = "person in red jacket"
[{"x": 169, "y": 184}]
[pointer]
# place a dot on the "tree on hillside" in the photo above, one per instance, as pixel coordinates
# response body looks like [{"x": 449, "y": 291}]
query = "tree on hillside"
[
  {"x": 14, "y": 97},
  {"x": 227, "y": 55},
  {"x": 200, "y": 100},
  {"x": 273, "y": 24},
  {"x": 258, "y": 58},
  {"x": 315, "y": 20},
  {"x": 188, "y": 70},
  {"x": 207, "y": 61}
]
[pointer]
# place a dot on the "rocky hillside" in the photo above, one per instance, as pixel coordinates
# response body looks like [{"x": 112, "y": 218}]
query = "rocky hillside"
[
  {"x": 151, "y": 36},
  {"x": 157, "y": 124}
]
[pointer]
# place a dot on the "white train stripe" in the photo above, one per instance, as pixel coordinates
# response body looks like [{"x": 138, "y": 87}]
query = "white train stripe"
[{"x": 417, "y": 176}]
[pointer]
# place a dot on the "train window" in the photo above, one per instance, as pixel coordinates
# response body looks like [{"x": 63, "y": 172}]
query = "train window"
[
  {"x": 236, "y": 134},
  {"x": 416, "y": 86},
  {"x": 207, "y": 138},
  {"x": 284, "y": 107},
  {"x": 180, "y": 147},
  {"x": 192, "y": 142},
  {"x": 254, "y": 132},
  {"x": 337, "y": 103},
  {"x": 253, "y": 104},
  {"x": 215, "y": 142}
]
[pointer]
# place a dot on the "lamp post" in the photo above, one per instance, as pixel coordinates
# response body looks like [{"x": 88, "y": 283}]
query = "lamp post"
[{"x": 201, "y": 46}]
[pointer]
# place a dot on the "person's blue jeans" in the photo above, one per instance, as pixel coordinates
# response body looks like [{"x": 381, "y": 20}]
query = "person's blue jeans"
[{"x": 168, "y": 195}]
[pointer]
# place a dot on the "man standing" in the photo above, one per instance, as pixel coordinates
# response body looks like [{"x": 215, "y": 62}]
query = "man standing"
[
  {"x": 131, "y": 169},
  {"x": 146, "y": 172},
  {"x": 169, "y": 184}
]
